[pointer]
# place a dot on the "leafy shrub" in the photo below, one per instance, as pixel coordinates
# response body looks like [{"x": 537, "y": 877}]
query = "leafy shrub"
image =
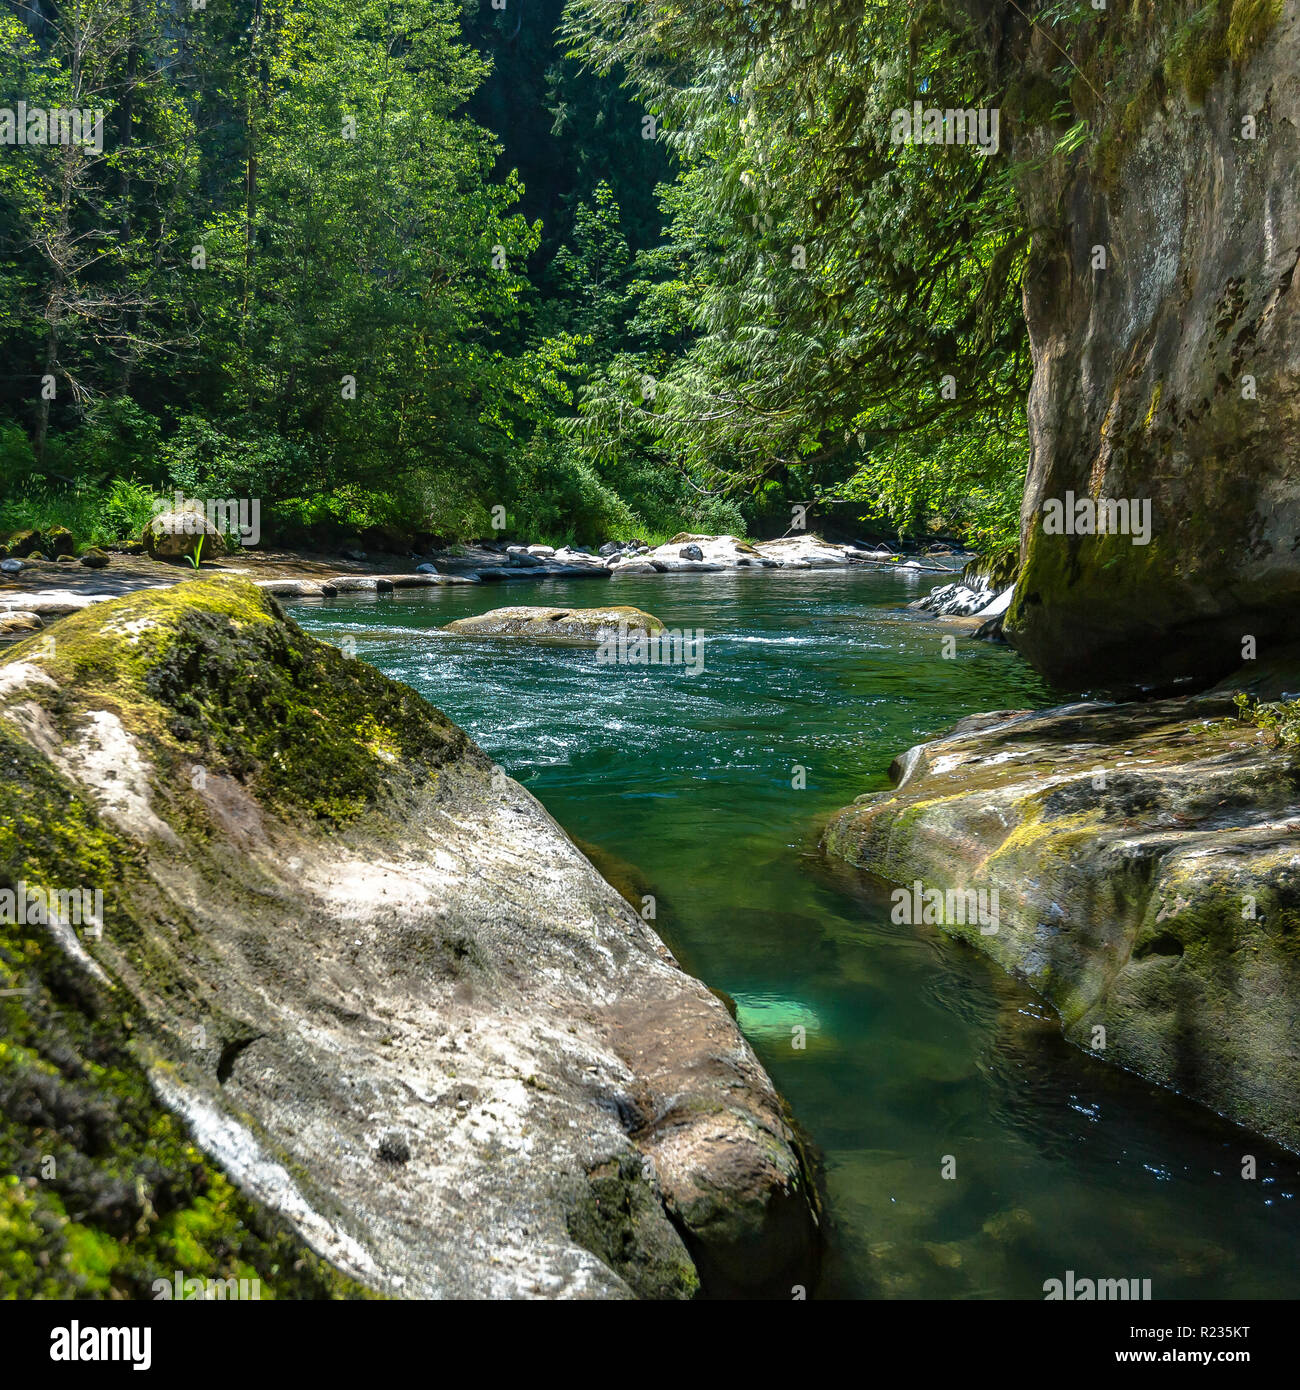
[
  {"x": 117, "y": 440},
  {"x": 559, "y": 496},
  {"x": 1279, "y": 718},
  {"x": 204, "y": 460},
  {"x": 125, "y": 509},
  {"x": 17, "y": 461},
  {"x": 95, "y": 516}
]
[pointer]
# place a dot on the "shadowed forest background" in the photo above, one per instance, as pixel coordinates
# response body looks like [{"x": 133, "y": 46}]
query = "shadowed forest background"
[{"x": 623, "y": 270}]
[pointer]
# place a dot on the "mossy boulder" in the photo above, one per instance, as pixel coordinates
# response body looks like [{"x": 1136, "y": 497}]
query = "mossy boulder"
[
  {"x": 52, "y": 542},
  {"x": 59, "y": 541},
  {"x": 585, "y": 626},
  {"x": 327, "y": 920},
  {"x": 183, "y": 533},
  {"x": 1146, "y": 863},
  {"x": 21, "y": 544}
]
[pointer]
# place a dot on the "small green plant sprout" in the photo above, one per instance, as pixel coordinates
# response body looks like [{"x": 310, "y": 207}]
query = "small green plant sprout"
[
  {"x": 197, "y": 558},
  {"x": 1280, "y": 719}
]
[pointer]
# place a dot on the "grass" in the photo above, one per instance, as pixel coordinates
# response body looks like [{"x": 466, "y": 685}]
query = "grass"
[{"x": 95, "y": 516}]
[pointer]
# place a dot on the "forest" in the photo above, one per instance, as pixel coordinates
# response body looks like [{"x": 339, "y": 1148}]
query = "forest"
[{"x": 610, "y": 270}]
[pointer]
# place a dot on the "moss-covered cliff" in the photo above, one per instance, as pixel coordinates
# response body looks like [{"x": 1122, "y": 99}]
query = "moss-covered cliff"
[{"x": 1155, "y": 145}]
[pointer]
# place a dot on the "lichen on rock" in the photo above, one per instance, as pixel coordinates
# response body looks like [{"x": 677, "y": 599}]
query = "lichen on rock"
[
  {"x": 1147, "y": 864},
  {"x": 326, "y": 921}
]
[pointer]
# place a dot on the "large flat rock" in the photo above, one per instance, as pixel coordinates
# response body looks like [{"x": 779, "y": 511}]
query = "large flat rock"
[
  {"x": 578, "y": 625},
  {"x": 385, "y": 992},
  {"x": 1147, "y": 864}
]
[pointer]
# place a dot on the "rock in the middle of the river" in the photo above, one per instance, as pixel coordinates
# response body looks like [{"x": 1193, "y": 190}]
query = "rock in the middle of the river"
[
  {"x": 383, "y": 988},
  {"x": 577, "y": 625}
]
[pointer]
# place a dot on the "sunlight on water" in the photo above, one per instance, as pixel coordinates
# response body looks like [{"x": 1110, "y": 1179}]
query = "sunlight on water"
[{"x": 917, "y": 1047}]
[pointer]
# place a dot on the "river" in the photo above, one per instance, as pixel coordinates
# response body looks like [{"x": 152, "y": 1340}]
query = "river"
[{"x": 687, "y": 787}]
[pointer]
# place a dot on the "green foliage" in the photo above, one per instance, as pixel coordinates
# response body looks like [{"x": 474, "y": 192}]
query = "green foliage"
[
  {"x": 593, "y": 271},
  {"x": 971, "y": 483},
  {"x": 1280, "y": 719},
  {"x": 561, "y": 498},
  {"x": 204, "y": 459},
  {"x": 828, "y": 279},
  {"x": 116, "y": 440},
  {"x": 127, "y": 508},
  {"x": 703, "y": 281},
  {"x": 17, "y": 459},
  {"x": 94, "y": 515}
]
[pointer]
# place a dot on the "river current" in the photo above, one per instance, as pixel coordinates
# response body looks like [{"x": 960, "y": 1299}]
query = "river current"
[{"x": 708, "y": 791}]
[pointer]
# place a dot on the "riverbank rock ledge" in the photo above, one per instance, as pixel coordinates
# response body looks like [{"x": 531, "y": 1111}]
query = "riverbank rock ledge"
[
  {"x": 577, "y": 625},
  {"x": 1147, "y": 863},
  {"x": 345, "y": 965}
]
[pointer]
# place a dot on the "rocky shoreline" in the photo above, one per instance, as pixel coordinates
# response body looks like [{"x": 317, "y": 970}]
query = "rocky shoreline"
[{"x": 34, "y": 592}]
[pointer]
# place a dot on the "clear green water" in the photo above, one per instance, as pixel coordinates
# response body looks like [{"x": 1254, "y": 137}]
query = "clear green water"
[{"x": 918, "y": 1048}]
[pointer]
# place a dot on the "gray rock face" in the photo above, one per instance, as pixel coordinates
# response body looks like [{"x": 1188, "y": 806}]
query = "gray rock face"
[
  {"x": 1146, "y": 866},
  {"x": 1144, "y": 374},
  {"x": 384, "y": 989}
]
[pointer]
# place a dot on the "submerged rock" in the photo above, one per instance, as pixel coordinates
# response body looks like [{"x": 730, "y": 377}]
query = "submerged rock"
[
  {"x": 1146, "y": 861},
  {"x": 569, "y": 624},
  {"x": 383, "y": 991}
]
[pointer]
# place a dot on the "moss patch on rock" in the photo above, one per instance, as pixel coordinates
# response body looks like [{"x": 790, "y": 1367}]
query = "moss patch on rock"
[
  {"x": 325, "y": 923},
  {"x": 213, "y": 673},
  {"x": 1149, "y": 887},
  {"x": 101, "y": 1189}
]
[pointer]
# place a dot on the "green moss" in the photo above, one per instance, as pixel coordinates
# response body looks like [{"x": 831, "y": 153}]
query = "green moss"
[
  {"x": 620, "y": 1219},
  {"x": 212, "y": 673},
  {"x": 1198, "y": 52},
  {"x": 1125, "y": 61},
  {"x": 103, "y": 1190},
  {"x": 1250, "y": 24}
]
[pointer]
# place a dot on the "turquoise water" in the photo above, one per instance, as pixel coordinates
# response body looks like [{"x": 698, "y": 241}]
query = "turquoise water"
[{"x": 681, "y": 786}]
